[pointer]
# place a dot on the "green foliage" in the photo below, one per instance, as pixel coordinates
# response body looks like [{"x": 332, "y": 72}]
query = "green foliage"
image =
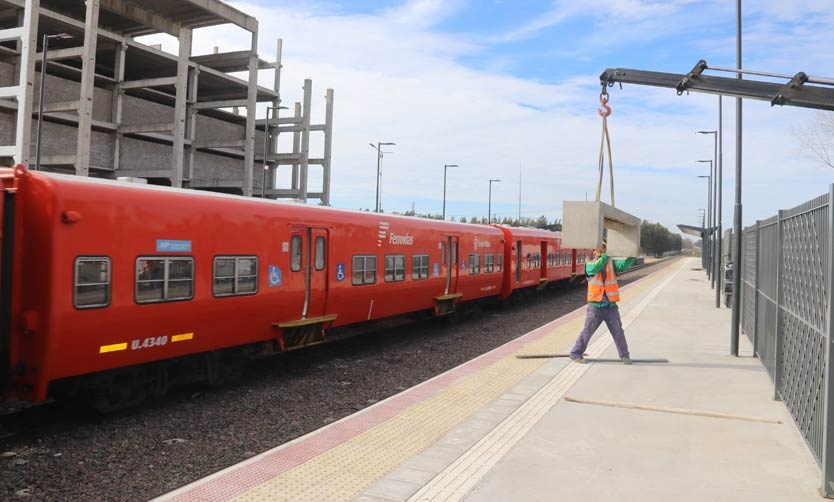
[{"x": 655, "y": 239}]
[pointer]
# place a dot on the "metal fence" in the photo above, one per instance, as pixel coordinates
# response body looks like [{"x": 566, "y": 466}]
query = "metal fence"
[{"x": 786, "y": 311}]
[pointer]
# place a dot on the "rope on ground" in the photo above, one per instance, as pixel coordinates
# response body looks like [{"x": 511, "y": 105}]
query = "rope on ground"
[{"x": 680, "y": 411}]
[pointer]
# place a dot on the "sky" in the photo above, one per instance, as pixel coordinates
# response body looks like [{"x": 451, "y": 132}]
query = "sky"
[{"x": 509, "y": 90}]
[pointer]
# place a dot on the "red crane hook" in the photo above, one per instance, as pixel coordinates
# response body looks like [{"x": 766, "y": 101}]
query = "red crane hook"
[{"x": 605, "y": 111}]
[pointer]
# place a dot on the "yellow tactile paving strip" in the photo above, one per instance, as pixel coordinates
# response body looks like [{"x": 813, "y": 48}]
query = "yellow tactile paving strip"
[{"x": 346, "y": 470}]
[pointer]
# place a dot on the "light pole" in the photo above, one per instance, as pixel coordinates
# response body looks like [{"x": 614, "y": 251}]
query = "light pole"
[
  {"x": 704, "y": 239},
  {"x": 717, "y": 272},
  {"x": 266, "y": 146},
  {"x": 45, "y": 47},
  {"x": 710, "y": 223},
  {"x": 378, "y": 147},
  {"x": 444, "y": 187},
  {"x": 489, "y": 208}
]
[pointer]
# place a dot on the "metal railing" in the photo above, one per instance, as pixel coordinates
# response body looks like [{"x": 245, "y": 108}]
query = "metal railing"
[{"x": 786, "y": 312}]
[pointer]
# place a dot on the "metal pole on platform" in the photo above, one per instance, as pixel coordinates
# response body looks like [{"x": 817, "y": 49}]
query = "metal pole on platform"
[{"x": 734, "y": 328}]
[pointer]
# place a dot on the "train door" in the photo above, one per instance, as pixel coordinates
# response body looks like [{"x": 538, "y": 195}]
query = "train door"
[
  {"x": 450, "y": 259},
  {"x": 309, "y": 257}
]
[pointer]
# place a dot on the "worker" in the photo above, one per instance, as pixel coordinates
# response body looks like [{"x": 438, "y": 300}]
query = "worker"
[{"x": 603, "y": 295}]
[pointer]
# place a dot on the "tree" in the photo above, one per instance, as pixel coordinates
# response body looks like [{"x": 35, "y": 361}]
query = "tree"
[
  {"x": 817, "y": 138},
  {"x": 655, "y": 239}
]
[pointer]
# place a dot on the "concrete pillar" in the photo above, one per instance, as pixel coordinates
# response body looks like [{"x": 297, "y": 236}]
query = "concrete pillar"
[
  {"x": 118, "y": 97},
  {"x": 85, "y": 103},
  {"x": 305, "y": 139},
  {"x": 328, "y": 138},
  {"x": 251, "y": 102},
  {"x": 177, "y": 161}
]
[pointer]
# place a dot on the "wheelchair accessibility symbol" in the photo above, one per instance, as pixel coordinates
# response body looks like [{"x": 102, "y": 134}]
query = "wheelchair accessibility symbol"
[
  {"x": 436, "y": 269},
  {"x": 463, "y": 265},
  {"x": 340, "y": 272},
  {"x": 274, "y": 276}
]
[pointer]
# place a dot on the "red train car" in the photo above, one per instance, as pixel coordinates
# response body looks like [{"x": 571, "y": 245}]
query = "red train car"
[{"x": 118, "y": 290}]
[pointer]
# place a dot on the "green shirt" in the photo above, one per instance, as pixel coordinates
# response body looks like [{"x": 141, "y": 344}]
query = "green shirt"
[{"x": 592, "y": 268}]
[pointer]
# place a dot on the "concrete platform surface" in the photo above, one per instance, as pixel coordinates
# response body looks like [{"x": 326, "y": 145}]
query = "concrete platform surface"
[{"x": 505, "y": 428}]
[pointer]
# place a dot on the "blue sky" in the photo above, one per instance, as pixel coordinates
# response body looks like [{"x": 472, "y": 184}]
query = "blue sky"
[{"x": 501, "y": 87}]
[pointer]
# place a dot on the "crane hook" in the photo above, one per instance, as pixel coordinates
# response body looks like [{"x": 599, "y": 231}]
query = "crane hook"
[{"x": 605, "y": 111}]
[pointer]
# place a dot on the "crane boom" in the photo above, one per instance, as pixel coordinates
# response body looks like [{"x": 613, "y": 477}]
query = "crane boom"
[{"x": 794, "y": 92}]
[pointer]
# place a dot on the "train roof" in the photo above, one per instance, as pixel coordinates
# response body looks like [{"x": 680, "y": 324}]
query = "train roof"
[{"x": 64, "y": 179}]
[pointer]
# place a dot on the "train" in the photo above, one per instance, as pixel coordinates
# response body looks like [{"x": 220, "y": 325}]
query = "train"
[{"x": 112, "y": 292}]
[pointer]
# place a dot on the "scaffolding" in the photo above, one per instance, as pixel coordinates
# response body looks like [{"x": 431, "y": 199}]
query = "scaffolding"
[{"x": 115, "y": 107}]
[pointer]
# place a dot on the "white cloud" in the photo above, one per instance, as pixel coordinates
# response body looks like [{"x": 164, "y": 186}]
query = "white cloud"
[{"x": 396, "y": 79}]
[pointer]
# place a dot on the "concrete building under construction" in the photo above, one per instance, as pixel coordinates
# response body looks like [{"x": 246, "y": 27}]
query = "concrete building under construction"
[{"x": 113, "y": 107}]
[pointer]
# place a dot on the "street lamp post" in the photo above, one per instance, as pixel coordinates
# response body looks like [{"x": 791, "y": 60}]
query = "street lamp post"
[
  {"x": 444, "y": 187},
  {"x": 489, "y": 208},
  {"x": 718, "y": 273},
  {"x": 378, "y": 147},
  {"x": 710, "y": 224},
  {"x": 45, "y": 48},
  {"x": 704, "y": 239}
]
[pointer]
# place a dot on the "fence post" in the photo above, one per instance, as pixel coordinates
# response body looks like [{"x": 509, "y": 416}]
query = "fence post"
[
  {"x": 828, "y": 435},
  {"x": 777, "y": 351},
  {"x": 756, "y": 296}
]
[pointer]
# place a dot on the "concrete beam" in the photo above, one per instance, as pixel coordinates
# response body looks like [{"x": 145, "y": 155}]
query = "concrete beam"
[
  {"x": 147, "y": 173},
  {"x": 11, "y": 34},
  {"x": 229, "y": 103},
  {"x": 142, "y": 16},
  {"x": 140, "y": 128},
  {"x": 235, "y": 16},
  {"x": 61, "y": 106},
  {"x": 583, "y": 224},
  {"x": 10, "y": 92},
  {"x": 149, "y": 82},
  {"x": 59, "y": 160},
  {"x": 221, "y": 143},
  {"x": 61, "y": 54}
]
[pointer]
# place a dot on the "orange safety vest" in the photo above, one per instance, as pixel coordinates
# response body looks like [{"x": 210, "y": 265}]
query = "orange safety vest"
[{"x": 597, "y": 285}]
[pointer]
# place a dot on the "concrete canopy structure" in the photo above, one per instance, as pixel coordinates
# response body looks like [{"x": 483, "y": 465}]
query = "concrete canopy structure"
[{"x": 115, "y": 107}]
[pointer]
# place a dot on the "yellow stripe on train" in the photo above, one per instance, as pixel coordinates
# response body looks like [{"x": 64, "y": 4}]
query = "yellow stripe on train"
[
  {"x": 112, "y": 348},
  {"x": 182, "y": 338}
]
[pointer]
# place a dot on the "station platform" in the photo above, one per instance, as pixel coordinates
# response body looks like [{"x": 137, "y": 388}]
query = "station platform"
[{"x": 701, "y": 427}]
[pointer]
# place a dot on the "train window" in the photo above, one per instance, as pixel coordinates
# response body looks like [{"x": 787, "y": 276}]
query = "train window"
[
  {"x": 160, "y": 279},
  {"x": 500, "y": 262},
  {"x": 442, "y": 253},
  {"x": 474, "y": 264},
  {"x": 550, "y": 259},
  {"x": 394, "y": 267},
  {"x": 529, "y": 261},
  {"x": 295, "y": 253},
  {"x": 364, "y": 270},
  {"x": 537, "y": 260},
  {"x": 92, "y": 282},
  {"x": 420, "y": 266},
  {"x": 319, "y": 260},
  {"x": 570, "y": 258},
  {"x": 454, "y": 253},
  {"x": 235, "y": 275},
  {"x": 489, "y": 262}
]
